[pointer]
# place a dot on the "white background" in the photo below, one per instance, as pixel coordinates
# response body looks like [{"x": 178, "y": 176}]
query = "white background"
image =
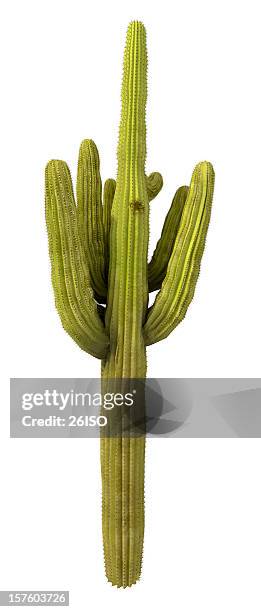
[{"x": 61, "y": 73}]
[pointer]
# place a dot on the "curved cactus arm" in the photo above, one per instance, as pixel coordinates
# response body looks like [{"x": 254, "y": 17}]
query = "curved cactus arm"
[
  {"x": 89, "y": 213},
  {"x": 178, "y": 287},
  {"x": 70, "y": 275},
  {"x": 108, "y": 195},
  {"x": 154, "y": 185},
  {"x": 157, "y": 267}
]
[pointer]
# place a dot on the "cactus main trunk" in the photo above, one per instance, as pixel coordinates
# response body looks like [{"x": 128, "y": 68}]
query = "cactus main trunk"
[
  {"x": 122, "y": 470},
  {"x": 129, "y": 231},
  {"x": 122, "y": 459}
]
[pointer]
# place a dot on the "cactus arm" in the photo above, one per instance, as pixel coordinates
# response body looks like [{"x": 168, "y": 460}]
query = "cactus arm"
[
  {"x": 154, "y": 185},
  {"x": 179, "y": 284},
  {"x": 159, "y": 262},
  {"x": 70, "y": 275},
  {"x": 108, "y": 195},
  {"x": 89, "y": 214}
]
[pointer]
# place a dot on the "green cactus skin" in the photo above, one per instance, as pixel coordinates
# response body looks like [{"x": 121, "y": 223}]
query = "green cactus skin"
[{"x": 101, "y": 280}]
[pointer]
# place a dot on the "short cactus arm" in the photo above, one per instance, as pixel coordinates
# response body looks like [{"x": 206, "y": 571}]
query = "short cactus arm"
[
  {"x": 70, "y": 275},
  {"x": 89, "y": 213},
  {"x": 157, "y": 267},
  {"x": 178, "y": 287},
  {"x": 154, "y": 185},
  {"x": 108, "y": 195}
]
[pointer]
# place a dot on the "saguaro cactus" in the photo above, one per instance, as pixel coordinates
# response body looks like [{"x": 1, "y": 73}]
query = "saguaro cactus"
[{"x": 101, "y": 280}]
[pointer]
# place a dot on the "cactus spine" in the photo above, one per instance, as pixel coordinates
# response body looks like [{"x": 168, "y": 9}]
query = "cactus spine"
[{"x": 101, "y": 280}]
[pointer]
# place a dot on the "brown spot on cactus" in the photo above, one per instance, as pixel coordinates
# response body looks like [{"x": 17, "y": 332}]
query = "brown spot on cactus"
[{"x": 136, "y": 206}]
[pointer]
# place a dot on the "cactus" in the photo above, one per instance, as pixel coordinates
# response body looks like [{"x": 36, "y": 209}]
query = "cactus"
[{"x": 101, "y": 280}]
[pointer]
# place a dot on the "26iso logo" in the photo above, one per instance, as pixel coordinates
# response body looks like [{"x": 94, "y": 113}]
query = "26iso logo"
[{"x": 87, "y": 421}]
